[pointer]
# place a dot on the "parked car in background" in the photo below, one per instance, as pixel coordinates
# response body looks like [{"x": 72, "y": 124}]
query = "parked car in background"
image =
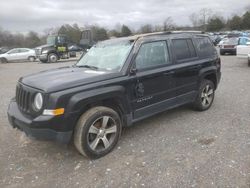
[
  {"x": 18, "y": 54},
  {"x": 4, "y": 50},
  {"x": 243, "y": 50},
  {"x": 228, "y": 45}
]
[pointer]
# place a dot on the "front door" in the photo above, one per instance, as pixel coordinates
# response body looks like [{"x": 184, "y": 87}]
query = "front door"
[
  {"x": 153, "y": 85},
  {"x": 12, "y": 55}
]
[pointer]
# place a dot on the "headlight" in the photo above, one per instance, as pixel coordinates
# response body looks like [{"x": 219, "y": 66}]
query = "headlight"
[
  {"x": 38, "y": 101},
  {"x": 45, "y": 51}
]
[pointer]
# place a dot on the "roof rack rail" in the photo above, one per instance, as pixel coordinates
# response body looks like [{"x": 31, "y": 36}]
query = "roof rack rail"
[{"x": 165, "y": 33}]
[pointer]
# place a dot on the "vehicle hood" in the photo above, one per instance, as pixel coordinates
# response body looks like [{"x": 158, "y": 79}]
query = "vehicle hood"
[
  {"x": 65, "y": 78},
  {"x": 45, "y": 46},
  {"x": 3, "y": 55}
]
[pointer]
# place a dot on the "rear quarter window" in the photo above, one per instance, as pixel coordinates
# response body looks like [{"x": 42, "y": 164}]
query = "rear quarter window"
[
  {"x": 184, "y": 49},
  {"x": 205, "y": 47}
]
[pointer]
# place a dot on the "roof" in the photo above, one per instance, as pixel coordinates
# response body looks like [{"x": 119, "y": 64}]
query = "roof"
[{"x": 136, "y": 37}]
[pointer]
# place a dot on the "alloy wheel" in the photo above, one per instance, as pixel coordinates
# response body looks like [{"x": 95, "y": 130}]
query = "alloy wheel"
[
  {"x": 207, "y": 95},
  {"x": 101, "y": 133}
]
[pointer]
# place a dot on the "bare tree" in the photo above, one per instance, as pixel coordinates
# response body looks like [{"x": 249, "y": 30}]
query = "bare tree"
[
  {"x": 194, "y": 19},
  {"x": 168, "y": 24},
  {"x": 200, "y": 19},
  {"x": 205, "y": 13}
]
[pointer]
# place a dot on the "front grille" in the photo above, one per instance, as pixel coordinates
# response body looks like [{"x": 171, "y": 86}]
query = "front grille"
[
  {"x": 23, "y": 98},
  {"x": 38, "y": 51}
]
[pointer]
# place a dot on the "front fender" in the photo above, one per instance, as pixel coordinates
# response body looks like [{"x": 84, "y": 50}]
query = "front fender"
[{"x": 80, "y": 100}]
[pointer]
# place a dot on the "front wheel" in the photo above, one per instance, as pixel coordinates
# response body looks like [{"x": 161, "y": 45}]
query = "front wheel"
[
  {"x": 97, "y": 132},
  {"x": 205, "y": 96},
  {"x": 3, "y": 60},
  {"x": 52, "y": 58}
]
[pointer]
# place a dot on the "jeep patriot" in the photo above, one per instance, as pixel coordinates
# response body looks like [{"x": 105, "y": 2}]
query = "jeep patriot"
[{"x": 115, "y": 84}]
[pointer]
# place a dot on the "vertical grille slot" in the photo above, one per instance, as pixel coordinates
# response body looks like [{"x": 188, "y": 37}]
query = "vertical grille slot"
[{"x": 23, "y": 98}]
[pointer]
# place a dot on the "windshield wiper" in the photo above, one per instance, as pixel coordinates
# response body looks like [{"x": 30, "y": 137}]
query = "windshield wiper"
[{"x": 87, "y": 66}]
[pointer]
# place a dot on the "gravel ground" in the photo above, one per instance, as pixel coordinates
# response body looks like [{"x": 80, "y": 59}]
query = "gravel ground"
[{"x": 178, "y": 148}]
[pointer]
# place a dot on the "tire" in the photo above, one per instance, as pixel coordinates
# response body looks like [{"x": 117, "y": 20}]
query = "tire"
[
  {"x": 90, "y": 136},
  {"x": 205, "y": 96},
  {"x": 249, "y": 62},
  {"x": 3, "y": 60},
  {"x": 31, "y": 58},
  {"x": 52, "y": 58}
]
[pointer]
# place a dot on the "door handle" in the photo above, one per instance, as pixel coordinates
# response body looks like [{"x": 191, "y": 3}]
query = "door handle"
[{"x": 168, "y": 73}]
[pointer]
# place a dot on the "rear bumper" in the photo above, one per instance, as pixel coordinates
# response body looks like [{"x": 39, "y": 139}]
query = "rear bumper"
[
  {"x": 228, "y": 50},
  {"x": 37, "y": 128}
]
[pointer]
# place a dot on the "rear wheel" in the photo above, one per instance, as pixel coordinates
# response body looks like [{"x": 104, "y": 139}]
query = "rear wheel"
[
  {"x": 205, "y": 96},
  {"x": 97, "y": 132},
  {"x": 52, "y": 58}
]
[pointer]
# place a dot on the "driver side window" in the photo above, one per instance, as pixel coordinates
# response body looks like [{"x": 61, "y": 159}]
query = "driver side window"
[{"x": 153, "y": 54}]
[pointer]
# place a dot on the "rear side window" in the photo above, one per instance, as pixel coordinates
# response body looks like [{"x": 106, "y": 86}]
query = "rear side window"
[
  {"x": 205, "y": 47},
  {"x": 184, "y": 49},
  {"x": 23, "y": 50}
]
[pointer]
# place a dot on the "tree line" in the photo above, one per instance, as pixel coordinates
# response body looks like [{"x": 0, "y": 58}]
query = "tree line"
[
  {"x": 206, "y": 20},
  {"x": 202, "y": 20}
]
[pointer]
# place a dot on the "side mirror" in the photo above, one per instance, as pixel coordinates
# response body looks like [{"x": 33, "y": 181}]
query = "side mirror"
[{"x": 133, "y": 71}]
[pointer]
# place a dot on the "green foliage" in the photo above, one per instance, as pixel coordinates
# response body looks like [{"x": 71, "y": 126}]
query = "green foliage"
[
  {"x": 125, "y": 31},
  {"x": 146, "y": 29},
  {"x": 246, "y": 20},
  {"x": 114, "y": 33},
  {"x": 72, "y": 32},
  {"x": 235, "y": 23},
  {"x": 32, "y": 40},
  {"x": 215, "y": 24},
  {"x": 99, "y": 33}
]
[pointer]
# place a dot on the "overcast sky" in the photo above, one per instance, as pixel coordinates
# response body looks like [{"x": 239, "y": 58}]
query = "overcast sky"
[{"x": 37, "y": 15}]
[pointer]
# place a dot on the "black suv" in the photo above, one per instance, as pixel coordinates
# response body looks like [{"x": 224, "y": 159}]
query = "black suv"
[{"x": 115, "y": 84}]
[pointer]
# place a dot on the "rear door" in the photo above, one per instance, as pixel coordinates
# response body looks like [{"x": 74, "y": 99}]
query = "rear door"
[
  {"x": 23, "y": 54},
  {"x": 243, "y": 49},
  {"x": 187, "y": 68}
]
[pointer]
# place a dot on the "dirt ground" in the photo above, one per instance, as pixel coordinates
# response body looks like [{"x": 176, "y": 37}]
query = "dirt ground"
[{"x": 177, "y": 148}]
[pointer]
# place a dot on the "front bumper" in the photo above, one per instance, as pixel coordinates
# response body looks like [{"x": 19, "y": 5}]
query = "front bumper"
[
  {"x": 43, "y": 57},
  {"x": 38, "y": 127}
]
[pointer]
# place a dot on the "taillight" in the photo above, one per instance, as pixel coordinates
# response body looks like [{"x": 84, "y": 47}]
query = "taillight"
[{"x": 218, "y": 63}]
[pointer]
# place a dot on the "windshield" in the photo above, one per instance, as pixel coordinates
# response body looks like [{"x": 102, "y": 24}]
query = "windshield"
[
  {"x": 51, "y": 40},
  {"x": 109, "y": 55}
]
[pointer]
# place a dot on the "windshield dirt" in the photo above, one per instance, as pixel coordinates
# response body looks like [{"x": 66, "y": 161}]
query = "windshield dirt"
[{"x": 107, "y": 55}]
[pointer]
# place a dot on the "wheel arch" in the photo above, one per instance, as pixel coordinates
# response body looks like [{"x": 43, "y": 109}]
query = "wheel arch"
[
  {"x": 5, "y": 59},
  {"x": 209, "y": 74},
  {"x": 113, "y": 97}
]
